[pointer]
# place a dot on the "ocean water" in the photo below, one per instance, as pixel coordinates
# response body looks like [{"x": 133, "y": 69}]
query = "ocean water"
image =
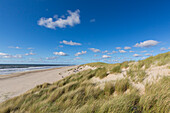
[{"x": 13, "y": 68}]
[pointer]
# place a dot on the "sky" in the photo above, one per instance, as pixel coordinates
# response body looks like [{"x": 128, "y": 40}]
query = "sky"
[{"x": 82, "y": 31}]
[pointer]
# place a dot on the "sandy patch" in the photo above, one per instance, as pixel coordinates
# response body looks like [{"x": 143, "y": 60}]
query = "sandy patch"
[{"x": 18, "y": 83}]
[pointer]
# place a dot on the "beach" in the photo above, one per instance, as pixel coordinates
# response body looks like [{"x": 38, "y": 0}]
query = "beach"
[{"x": 16, "y": 84}]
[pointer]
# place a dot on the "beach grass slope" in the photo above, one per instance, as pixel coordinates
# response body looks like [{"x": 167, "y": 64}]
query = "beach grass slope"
[{"x": 79, "y": 93}]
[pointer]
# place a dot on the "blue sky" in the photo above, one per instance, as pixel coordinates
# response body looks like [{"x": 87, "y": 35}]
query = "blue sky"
[{"x": 76, "y": 32}]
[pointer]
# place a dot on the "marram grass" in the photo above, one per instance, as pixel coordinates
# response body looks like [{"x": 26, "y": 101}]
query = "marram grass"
[{"x": 77, "y": 94}]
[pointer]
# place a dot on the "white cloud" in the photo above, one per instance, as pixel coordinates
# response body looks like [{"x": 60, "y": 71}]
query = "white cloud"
[
  {"x": 163, "y": 49},
  {"x": 92, "y": 20},
  {"x": 143, "y": 58},
  {"x": 77, "y": 58},
  {"x": 106, "y": 56},
  {"x": 3, "y": 54},
  {"x": 51, "y": 58},
  {"x": 17, "y": 47},
  {"x": 80, "y": 53},
  {"x": 131, "y": 51},
  {"x": 60, "y": 53},
  {"x": 17, "y": 56},
  {"x": 147, "y": 43},
  {"x": 31, "y": 53},
  {"x": 70, "y": 43},
  {"x": 118, "y": 48},
  {"x": 122, "y": 51},
  {"x": 114, "y": 51},
  {"x": 61, "y": 46},
  {"x": 52, "y": 23},
  {"x": 30, "y": 48},
  {"x": 144, "y": 51},
  {"x": 127, "y": 47},
  {"x": 109, "y": 53},
  {"x": 137, "y": 55},
  {"x": 12, "y": 56},
  {"x": 94, "y": 50},
  {"x": 148, "y": 54},
  {"x": 105, "y": 51}
]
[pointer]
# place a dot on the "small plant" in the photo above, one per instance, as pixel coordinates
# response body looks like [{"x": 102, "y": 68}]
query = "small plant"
[
  {"x": 109, "y": 88},
  {"x": 101, "y": 73},
  {"x": 116, "y": 69},
  {"x": 125, "y": 64},
  {"x": 122, "y": 85},
  {"x": 137, "y": 75}
]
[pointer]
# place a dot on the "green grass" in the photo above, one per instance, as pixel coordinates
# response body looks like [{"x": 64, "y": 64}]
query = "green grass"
[
  {"x": 136, "y": 75},
  {"x": 77, "y": 94},
  {"x": 122, "y": 85},
  {"x": 109, "y": 88},
  {"x": 101, "y": 72},
  {"x": 157, "y": 97},
  {"x": 161, "y": 59},
  {"x": 116, "y": 69}
]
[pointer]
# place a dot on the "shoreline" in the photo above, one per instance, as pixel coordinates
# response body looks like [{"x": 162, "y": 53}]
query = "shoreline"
[
  {"x": 17, "y": 74},
  {"x": 13, "y": 85}
]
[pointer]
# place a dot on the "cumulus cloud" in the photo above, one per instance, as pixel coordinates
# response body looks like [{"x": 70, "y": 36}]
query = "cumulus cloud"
[
  {"x": 70, "y": 43},
  {"x": 148, "y": 43},
  {"x": 30, "y": 48},
  {"x": 77, "y": 58},
  {"x": 127, "y": 47},
  {"x": 122, "y": 51},
  {"x": 137, "y": 55},
  {"x": 94, "y": 50},
  {"x": 109, "y": 53},
  {"x": 148, "y": 54},
  {"x": 106, "y": 56},
  {"x": 114, "y": 51},
  {"x": 168, "y": 47},
  {"x": 144, "y": 51},
  {"x": 52, "y": 23},
  {"x": 17, "y": 47},
  {"x": 31, "y": 53},
  {"x": 92, "y": 20},
  {"x": 60, "y": 53},
  {"x": 105, "y": 51},
  {"x": 131, "y": 51},
  {"x": 3, "y": 54},
  {"x": 12, "y": 56},
  {"x": 118, "y": 48},
  {"x": 51, "y": 58},
  {"x": 80, "y": 53},
  {"x": 163, "y": 49},
  {"x": 61, "y": 46}
]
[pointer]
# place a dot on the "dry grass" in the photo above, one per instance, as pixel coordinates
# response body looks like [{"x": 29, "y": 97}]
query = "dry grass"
[{"x": 77, "y": 94}]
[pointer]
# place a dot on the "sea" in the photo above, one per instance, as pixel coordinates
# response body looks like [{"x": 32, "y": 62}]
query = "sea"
[{"x": 6, "y": 69}]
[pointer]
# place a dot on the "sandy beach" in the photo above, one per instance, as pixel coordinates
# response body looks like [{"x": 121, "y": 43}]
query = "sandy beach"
[{"x": 15, "y": 84}]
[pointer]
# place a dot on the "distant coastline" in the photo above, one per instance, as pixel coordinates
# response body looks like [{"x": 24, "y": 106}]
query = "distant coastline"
[{"x": 6, "y": 69}]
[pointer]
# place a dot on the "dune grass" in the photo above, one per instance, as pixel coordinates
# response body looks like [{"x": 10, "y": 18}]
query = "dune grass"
[
  {"x": 101, "y": 72},
  {"x": 136, "y": 75},
  {"x": 122, "y": 85},
  {"x": 77, "y": 94},
  {"x": 157, "y": 97}
]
